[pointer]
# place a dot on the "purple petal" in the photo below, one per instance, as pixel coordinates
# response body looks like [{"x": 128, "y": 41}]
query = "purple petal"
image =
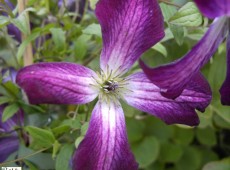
[
  {"x": 214, "y": 8},
  {"x": 9, "y": 74},
  {"x": 225, "y": 89},
  {"x": 9, "y": 4},
  {"x": 8, "y": 146},
  {"x": 105, "y": 145},
  {"x": 14, "y": 32},
  {"x": 146, "y": 96},
  {"x": 57, "y": 83},
  {"x": 173, "y": 78},
  {"x": 129, "y": 28}
]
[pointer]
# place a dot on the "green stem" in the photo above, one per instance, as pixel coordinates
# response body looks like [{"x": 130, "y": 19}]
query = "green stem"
[{"x": 24, "y": 157}]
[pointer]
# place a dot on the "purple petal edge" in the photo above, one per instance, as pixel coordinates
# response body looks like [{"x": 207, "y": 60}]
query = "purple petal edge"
[
  {"x": 172, "y": 78},
  {"x": 8, "y": 146},
  {"x": 105, "y": 145},
  {"x": 214, "y": 8},
  {"x": 129, "y": 28},
  {"x": 57, "y": 83},
  {"x": 146, "y": 97},
  {"x": 225, "y": 88}
]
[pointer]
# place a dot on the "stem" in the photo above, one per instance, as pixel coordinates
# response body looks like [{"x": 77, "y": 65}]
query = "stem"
[
  {"x": 76, "y": 112},
  {"x": 28, "y": 54},
  {"x": 169, "y": 3},
  {"x": 24, "y": 157}
]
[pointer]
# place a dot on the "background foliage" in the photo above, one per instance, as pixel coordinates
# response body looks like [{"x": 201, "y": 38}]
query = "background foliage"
[{"x": 53, "y": 131}]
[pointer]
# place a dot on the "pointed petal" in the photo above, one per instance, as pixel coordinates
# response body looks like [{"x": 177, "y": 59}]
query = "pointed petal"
[
  {"x": 173, "y": 78},
  {"x": 146, "y": 96},
  {"x": 8, "y": 146},
  {"x": 129, "y": 28},
  {"x": 225, "y": 89},
  {"x": 214, "y": 8},
  {"x": 105, "y": 145},
  {"x": 57, "y": 83}
]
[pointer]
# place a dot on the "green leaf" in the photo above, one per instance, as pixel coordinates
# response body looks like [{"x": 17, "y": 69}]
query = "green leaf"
[
  {"x": 3, "y": 21},
  {"x": 93, "y": 29},
  {"x": 206, "y": 136},
  {"x": 11, "y": 88},
  {"x": 220, "y": 122},
  {"x": 178, "y": 33},
  {"x": 42, "y": 138},
  {"x": 63, "y": 157},
  {"x": 84, "y": 128},
  {"x": 168, "y": 11},
  {"x": 78, "y": 141},
  {"x": 218, "y": 165},
  {"x": 190, "y": 160},
  {"x": 93, "y": 3},
  {"x": 21, "y": 22},
  {"x": 183, "y": 136},
  {"x": 161, "y": 49},
  {"x": 57, "y": 131},
  {"x": 9, "y": 111},
  {"x": 4, "y": 99},
  {"x": 146, "y": 151},
  {"x": 135, "y": 129},
  {"x": 81, "y": 45},
  {"x": 170, "y": 152},
  {"x": 30, "y": 165},
  {"x": 208, "y": 155},
  {"x": 156, "y": 127},
  {"x": 56, "y": 147},
  {"x": 188, "y": 16},
  {"x": 58, "y": 36},
  {"x": 222, "y": 111},
  {"x": 196, "y": 34},
  {"x": 75, "y": 124}
]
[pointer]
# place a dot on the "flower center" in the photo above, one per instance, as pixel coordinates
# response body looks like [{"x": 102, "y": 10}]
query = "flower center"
[{"x": 111, "y": 85}]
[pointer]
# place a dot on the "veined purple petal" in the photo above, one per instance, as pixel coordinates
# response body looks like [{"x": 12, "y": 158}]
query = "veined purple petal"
[
  {"x": 214, "y": 8},
  {"x": 129, "y": 28},
  {"x": 8, "y": 146},
  {"x": 225, "y": 89},
  {"x": 57, "y": 83},
  {"x": 174, "y": 77},
  {"x": 105, "y": 145},
  {"x": 146, "y": 96}
]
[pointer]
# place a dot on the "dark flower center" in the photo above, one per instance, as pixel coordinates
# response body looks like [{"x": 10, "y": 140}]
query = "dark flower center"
[{"x": 110, "y": 86}]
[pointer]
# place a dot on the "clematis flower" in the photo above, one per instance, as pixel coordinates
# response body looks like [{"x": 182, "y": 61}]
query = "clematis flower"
[
  {"x": 174, "y": 77},
  {"x": 9, "y": 140},
  {"x": 129, "y": 28}
]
